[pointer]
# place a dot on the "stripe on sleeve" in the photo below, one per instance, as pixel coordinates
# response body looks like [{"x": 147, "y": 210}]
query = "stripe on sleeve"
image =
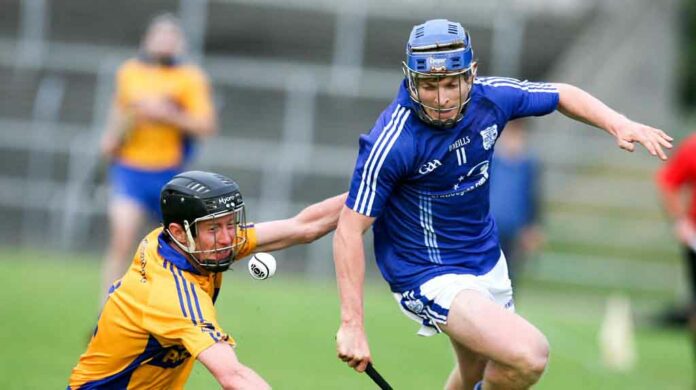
[
  {"x": 373, "y": 186},
  {"x": 200, "y": 314},
  {"x": 188, "y": 297},
  {"x": 363, "y": 181},
  {"x": 178, "y": 290},
  {"x": 378, "y": 154},
  {"x": 522, "y": 85},
  {"x": 195, "y": 300}
]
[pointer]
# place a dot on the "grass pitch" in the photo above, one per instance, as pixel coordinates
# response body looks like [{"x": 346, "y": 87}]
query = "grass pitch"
[{"x": 285, "y": 330}]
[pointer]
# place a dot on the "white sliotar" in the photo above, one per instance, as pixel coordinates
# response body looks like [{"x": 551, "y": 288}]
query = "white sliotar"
[{"x": 262, "y": 266}]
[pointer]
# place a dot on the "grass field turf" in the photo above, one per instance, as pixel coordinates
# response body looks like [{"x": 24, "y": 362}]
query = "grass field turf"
[{"x": 285, "y": 330}]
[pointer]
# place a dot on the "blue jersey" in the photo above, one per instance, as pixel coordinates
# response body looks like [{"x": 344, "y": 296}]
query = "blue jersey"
[{"x": 428, "y": 187}]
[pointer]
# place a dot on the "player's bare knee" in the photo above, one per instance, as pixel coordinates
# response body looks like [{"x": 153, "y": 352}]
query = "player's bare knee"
[
  {"x": 534, "y": 360},
  {"x": 528, "y": 360},
  {"x": 536, "y": 366}
]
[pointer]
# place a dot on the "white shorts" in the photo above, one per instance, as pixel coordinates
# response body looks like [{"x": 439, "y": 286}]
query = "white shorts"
[{"x": 429, "y": 304}]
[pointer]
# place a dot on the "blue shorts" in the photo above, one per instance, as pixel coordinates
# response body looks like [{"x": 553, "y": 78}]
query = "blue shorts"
[{"x": 142, "y": 186}]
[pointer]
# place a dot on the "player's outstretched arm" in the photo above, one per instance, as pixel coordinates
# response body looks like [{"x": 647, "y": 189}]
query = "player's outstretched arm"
[
  {"x": 222, "y": 362},
  {"x": 580, "y": 105},
  {"x": 349, "y": 258},
  {"x": 308, "y": 225}
]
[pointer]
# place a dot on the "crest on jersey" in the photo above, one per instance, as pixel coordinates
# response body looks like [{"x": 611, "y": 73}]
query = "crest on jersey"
[
  {"x": 414, "y": 305},
  {"x": 489, "y": 135}
]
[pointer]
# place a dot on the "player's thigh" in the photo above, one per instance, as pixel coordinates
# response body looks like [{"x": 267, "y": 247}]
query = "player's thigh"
[{"x": 488, "y": 329}]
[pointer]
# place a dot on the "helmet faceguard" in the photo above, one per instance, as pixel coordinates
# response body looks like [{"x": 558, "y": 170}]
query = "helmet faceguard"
[
  {"x": 436, "y": 50},
  {"x": 194, "y": 197},
  {"x": 207, "y": 259}
]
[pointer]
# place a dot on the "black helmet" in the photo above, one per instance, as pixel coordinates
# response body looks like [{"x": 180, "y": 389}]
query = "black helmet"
[{"x": 195, "y": 196}]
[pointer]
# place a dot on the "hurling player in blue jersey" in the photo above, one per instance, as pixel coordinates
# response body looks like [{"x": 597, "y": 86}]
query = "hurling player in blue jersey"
[{"x": 421, "y": 181}]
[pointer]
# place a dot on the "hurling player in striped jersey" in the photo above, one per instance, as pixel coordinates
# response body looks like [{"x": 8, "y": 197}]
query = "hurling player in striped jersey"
[
  {"x": 160, "y": 316},
  {"x": 421, "y": 181}
]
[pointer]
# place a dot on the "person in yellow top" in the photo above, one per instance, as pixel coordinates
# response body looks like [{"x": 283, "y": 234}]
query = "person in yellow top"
[
  {"x": 160, "y": 316},
  {"x": 161, "y": 104}
]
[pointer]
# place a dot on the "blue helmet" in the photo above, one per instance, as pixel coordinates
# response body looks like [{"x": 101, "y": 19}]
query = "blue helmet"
[{"x": 437, "y": 49}]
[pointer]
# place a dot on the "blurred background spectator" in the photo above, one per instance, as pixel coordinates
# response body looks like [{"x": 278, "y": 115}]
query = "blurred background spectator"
[
  {"x": 676, "y": 181},
  {"x": 515, "y": 197},
  {"x": 161, "y": 106}
]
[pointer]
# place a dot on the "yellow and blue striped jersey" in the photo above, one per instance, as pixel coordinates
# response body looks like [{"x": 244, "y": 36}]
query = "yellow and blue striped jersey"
[
  {"x": 152, "y": 145},
  {"x": 158, "y": 318}
]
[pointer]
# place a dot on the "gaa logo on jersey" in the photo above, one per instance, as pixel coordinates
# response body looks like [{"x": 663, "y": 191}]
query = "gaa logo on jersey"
[
  {"x": 429, "y": 167},
  {"x": 489, "y": 135}
]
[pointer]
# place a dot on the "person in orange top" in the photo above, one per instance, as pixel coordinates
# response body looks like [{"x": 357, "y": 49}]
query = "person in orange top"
[
  {"x": 160, "y": 317},
  {"x": 161, "y": 105},
  {"x": 677, "y": 177}
]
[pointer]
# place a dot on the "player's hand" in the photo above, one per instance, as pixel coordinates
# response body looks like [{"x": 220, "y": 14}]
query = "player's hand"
[
  {"x": 109, "y": 145},
  {"x": 651, "y": 138},
  {"x": 531, "y": 239},
  {"x": 352, "y": 348},
  {"x": 155, "y": 110},
  {"x": 685, "y": 231}
]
